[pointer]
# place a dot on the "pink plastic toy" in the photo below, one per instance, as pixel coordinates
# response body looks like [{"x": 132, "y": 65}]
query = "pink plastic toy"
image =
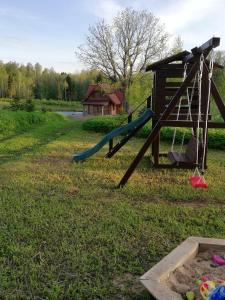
[{"x": 218, "y": 260}]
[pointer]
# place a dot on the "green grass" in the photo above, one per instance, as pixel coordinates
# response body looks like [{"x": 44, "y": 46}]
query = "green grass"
[
  {"x": 14, "y": 122},
  {"x": 50, "y": 105},
  {"x": 66, "y": 232}
]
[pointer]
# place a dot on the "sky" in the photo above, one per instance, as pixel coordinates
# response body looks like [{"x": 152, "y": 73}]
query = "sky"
[{"x": 49, "y": 31}]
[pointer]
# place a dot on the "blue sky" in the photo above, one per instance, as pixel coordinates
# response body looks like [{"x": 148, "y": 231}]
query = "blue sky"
[{"x": 48, "y": 31}]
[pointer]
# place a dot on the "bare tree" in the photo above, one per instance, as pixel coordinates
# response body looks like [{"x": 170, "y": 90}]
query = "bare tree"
[
  {"x": 134, "y": 39},
  {"x": 177, "y": 45}
]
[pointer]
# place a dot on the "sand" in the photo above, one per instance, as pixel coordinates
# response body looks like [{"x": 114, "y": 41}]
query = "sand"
[{"x": 184, "y": 278}]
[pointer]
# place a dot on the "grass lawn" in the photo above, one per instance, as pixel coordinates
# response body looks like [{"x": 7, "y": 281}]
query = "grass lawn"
[{"x": 66, "y": 232}]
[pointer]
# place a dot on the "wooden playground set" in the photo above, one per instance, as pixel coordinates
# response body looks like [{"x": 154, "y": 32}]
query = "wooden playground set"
[{"x": 183, "y": 89}]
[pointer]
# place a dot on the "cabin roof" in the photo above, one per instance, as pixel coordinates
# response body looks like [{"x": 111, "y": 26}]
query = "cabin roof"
[{"x": 116, "y": 96}]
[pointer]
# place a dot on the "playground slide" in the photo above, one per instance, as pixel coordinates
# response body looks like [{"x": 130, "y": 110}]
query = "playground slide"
[{"x": 140, "y": 121}]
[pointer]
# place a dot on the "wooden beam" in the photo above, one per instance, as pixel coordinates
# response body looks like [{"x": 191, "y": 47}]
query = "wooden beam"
[
  {"x": 204, "y": 48},
  {"x": 155, "y": 131},
  {"x": 190, "y": 124}
]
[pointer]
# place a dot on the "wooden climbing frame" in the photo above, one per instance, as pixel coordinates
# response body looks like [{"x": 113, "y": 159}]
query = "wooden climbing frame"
[{"x": 168, "y": 88}]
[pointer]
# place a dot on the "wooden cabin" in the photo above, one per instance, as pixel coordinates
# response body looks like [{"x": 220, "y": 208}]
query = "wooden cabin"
[{"x": 102, "y": 99}]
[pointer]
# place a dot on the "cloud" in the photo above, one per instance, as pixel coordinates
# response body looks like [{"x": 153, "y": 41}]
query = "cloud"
[
  {"x": 14, "y": 42},
  {"x": 17, "y": 13},
  {"x": 106, "y": 9},
  {"x": 182, "y": 14}
]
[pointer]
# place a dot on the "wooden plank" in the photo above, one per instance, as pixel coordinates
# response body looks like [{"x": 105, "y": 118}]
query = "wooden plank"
[
  {"x": 183, "y": 117},
  {"x": 204, "y": 48},
  {"x": 155, "y": 131},
  {"x": 189, "y": 124},
  {"x": 159, "y": 98},
  {"x": 167, "y": 60},
  {"x": 171, "y": 91},
  {"x": 171, "y": 67},
  {"x": 176, "y": 73}
]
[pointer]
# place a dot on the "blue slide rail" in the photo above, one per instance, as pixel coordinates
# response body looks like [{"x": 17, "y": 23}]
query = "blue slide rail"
[{"x": 124, "y": 129}]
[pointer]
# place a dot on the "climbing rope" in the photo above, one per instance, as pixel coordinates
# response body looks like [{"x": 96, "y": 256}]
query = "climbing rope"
[
  {"x": 189, "y": 116},
  {"x": 211, "y": 65},
  {"x": 198, "y": 180},
  {"x": 199, "y": 107}
]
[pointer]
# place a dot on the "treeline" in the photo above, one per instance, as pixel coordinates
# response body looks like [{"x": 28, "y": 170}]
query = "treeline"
[{"x": 33, "y": 82}]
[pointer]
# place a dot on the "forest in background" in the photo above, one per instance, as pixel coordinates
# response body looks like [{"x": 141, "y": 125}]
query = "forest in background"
[{"x": 33, "y": 82}]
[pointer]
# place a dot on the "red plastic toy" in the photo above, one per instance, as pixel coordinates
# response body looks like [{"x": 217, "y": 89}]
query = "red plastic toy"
[{"x": 198, "y": 182}]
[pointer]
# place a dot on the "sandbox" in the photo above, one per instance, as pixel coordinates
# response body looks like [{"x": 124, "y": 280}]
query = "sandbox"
[{"x": 178, "y": 271}]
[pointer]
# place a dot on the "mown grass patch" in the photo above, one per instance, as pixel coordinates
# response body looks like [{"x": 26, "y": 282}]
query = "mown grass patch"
[
  {"x": 14, "y": 122},
  {"x": 67, "y": 232}
]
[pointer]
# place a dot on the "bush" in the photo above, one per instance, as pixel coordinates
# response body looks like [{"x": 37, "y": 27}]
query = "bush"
[
  {"x": 17, "y": 104},
  {"x": 29, "y": 105},
  {"x": 106, "y": 124},
  {"x": 44, "y": 109},
  {"x": 103, "y": 124}
]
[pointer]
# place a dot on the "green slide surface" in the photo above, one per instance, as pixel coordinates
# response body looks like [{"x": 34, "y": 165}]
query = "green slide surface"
[{"x": 140, "y": 121}]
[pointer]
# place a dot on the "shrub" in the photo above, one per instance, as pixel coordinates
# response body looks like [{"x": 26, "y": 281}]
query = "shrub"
[
  {"x": 29, "y": 105},
  {"x": 105, "y": 124},
  {"x": 44, "y": 109},
  {"x": 17, "y": 104}
]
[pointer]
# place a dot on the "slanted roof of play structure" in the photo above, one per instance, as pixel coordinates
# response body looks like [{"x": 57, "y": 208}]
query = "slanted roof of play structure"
[
  {"x": 176, "y": 57},
  {"x": 183, "y": 56}
]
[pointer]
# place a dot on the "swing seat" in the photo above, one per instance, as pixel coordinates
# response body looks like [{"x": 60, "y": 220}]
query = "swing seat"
[
  {"x": 187, "y": 158},
  {"x": 198, "y": 182}
]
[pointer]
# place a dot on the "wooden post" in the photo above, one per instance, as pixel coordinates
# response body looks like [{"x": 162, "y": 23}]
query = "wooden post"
[
  {"x": 129, "y": 118},
  {"x": 110, "y": 145},
  {"x": 149, "y": 101},
  {"x": 159, "y": 104},
  {"x": 124, "y": 140}
]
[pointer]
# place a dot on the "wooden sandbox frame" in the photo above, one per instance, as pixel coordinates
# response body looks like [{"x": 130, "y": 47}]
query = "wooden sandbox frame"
[{"x": 154, "y": 280}]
